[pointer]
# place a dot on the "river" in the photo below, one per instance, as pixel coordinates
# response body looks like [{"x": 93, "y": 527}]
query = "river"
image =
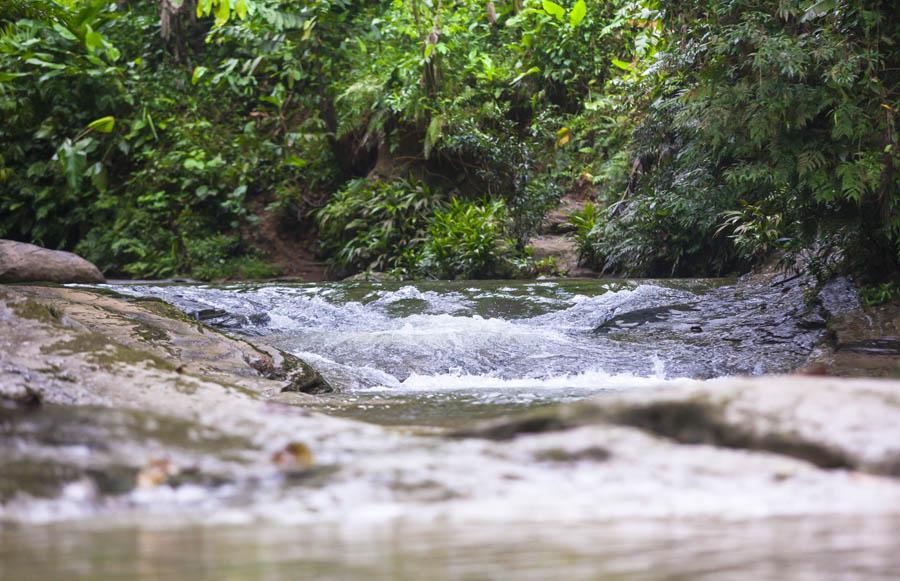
[{"x": 393, "y": 498}]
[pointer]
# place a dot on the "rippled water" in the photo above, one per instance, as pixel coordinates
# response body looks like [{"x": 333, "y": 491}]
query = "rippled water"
[
  {"x": 407, "y": 503},
  {"x": 792, "y": 549}
]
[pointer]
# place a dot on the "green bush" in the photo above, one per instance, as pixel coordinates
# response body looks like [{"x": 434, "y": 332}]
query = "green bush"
[
  {"x": 368, "y": 224},
  {"x": 468, "y": 240},
  {"x": 585, "y": 224},
  {"x": 221, "y": 257},
  {"x": 132, "y": 133},
  {"x": 782, "y": 111},
  {"x": 875, "y": 295}
]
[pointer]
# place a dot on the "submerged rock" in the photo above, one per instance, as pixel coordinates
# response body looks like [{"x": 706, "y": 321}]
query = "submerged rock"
[
  {"x": 21, "y": 262},
  {"x": 225, "y": 320},
  {"x": 304, "y": 379}
]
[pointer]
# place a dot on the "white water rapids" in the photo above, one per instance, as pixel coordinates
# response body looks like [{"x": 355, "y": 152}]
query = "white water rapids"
[{"x": 540, "y": 335}]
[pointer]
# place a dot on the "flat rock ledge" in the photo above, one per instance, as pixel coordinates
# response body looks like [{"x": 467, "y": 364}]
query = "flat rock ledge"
[
  {"x": 78, "y": 346},
  {"x": 22, "y": 262},
  {"x": 830, "y": 422}
]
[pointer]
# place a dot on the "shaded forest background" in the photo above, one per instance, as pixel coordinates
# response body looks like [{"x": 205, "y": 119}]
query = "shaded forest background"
[{"x": 428, "y": 138}]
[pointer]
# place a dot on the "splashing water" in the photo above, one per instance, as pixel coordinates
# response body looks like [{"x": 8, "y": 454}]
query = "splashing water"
[{"x": 555, "y": 335}]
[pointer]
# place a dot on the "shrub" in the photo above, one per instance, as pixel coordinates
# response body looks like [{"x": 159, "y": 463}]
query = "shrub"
[
  {"x": 468, "y": 240},
  {"x": 585, "y": 225},
  {"x": 368, "y": 224}
]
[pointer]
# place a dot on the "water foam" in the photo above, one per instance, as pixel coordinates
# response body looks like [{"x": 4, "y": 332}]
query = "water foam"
[{"x": 593, "y": 380}]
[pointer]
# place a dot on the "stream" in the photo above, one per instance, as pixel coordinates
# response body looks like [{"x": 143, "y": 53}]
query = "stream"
[
  {"x": 392, "y": 498},
  {"x": 446, "y": 353}
]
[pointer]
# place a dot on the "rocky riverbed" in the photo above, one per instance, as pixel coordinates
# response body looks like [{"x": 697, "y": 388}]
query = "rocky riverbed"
[{"x": 129, "y": 415}]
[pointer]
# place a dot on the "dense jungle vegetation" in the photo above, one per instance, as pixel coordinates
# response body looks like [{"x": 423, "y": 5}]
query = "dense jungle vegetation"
[{"x": 430, "y": 137}]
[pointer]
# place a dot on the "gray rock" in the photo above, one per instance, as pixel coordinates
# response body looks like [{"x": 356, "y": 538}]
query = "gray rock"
[
  {"x": 830, "y": 423},
  {"x": 21, "y": 262}
]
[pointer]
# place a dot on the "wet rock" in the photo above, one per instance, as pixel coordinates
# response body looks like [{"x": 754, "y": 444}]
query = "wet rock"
[
  {"x": 260, "y": 319},
  {"x": 18, "y": 395},
  {"x": 839, "y": 296},
  {"x": 863, "y": 341},
  {"x": 265, "y": 365},
  {"x": 814, "y": 319},
  {"x": 654, "y": 316},
  {"x": 301, "y": 377},
  {"x": 831, "y": 423},
  {"x": 591, "y": 454},
  {"x": 508, "y": 429},
  {"x": 304, "y": 379},
  {"x": 221, "y": 318},
  {"x": 21, "y": 262},
  {"x": 50, "y": 335},
  {"x": 370, "y": 276},
  {"x": 816, "y": 368},
  {"x": 889, "y": 346}
]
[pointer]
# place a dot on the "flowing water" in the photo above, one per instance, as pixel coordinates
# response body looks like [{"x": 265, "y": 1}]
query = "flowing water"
[
  {"x": 395, "y": 499},
  {"x": 445, "y": 353}
]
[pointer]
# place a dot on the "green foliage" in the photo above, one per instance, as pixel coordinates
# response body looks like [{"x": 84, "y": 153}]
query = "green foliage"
[
  {"x": 710, "y": 132},
  {"x": 875, "y": 295},
  {"x": 59, "y": 76},
  {"x": 467, "y": 240},
  {"x": 404, "y": 227},
  {"x": 107, "y": 150},
  {"x": 585, "y": 224},
  {"x": 760, "y": 229},
  {"x": 784, "y": 113},
  {"x": 219, "y": 257},
  {"x": 368, "y": 225}
]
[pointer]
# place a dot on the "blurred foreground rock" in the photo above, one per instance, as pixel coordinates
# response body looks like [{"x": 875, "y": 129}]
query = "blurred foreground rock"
[{"x": 829, "y": 422}]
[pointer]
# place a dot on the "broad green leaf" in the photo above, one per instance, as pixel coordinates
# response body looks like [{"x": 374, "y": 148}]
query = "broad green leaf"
[
  {"x": 103, "y": 125},
  {"x": 204, "y": 7},
  {"x": 578, "y": 13},
  {"x": 623, "y": 65},
  {"x": 240, "y": 8},
  {"x": 99, "y": 177},
  {"x": 64, "y": 32},
  {"x": 7, "y": 77},
  {"x": 296, "y": 161},
  {"x": 199, "y": 71},
  {"x": 223, "y": 12},
  {"x": 553, "y": 9},
  {"x": 93, "y": 39},
  {"x": 433, "y": 134},
  {"x": 73, "y": 161},
  {"x": 531, "y": 71},
  {"x": 44, "y": 64}
]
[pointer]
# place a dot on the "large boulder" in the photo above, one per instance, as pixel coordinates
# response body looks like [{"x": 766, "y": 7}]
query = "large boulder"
[{"x": 21, "y": 262}]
